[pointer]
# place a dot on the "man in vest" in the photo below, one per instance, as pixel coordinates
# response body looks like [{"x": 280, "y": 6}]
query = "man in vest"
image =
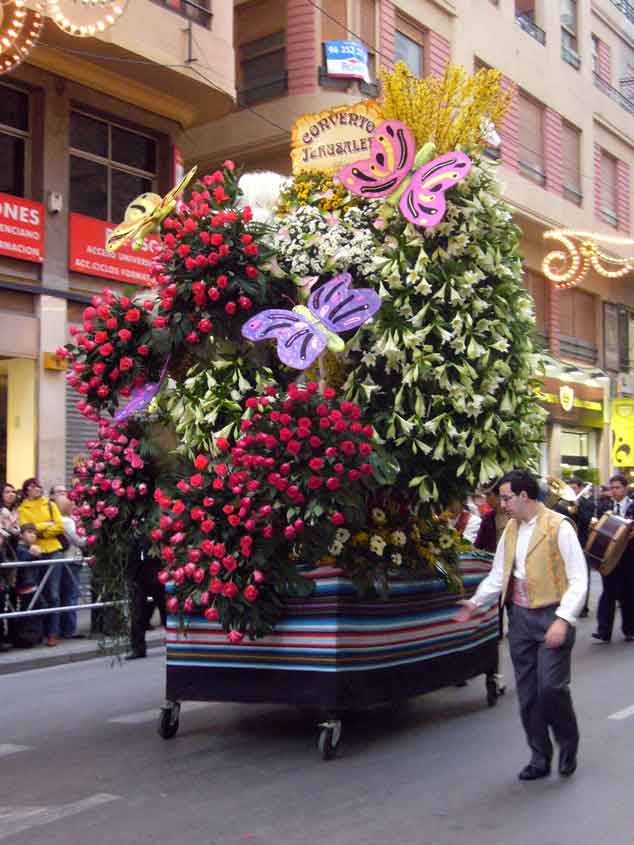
[
  {"x": 618, "y": 586},
  {"x": 539, "y": 569}
]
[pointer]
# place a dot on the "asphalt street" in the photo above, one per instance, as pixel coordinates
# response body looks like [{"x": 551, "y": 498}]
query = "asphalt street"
[{"x": 80, "y": 761}]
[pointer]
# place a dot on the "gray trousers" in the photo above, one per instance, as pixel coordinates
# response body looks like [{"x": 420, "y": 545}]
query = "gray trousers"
[{"x": 542, "y": 677}]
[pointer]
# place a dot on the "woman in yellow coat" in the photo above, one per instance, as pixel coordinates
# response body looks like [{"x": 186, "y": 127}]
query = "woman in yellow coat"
[{"x": 45, "y": 515}]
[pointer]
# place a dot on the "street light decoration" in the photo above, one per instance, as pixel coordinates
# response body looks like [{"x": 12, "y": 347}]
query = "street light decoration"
[
  {"x": 568, "y": 266},
  {"x": 22, "y": 22},
  {"x": 20, "y": 29}
]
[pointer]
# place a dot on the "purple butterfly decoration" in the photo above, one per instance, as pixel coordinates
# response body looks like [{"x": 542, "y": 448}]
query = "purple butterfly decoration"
[
  {"x": 392, "y": 155},
  {"x": 303, "y": 333},
  {"x": 141, "y": 397}
]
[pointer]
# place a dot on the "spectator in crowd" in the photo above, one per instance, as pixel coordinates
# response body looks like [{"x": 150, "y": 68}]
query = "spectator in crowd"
[
  {"x": 142, "y": 582},
  {"x": 44, "y": 514},
  {"x": 582, "y": 514},
  {"x": 604, "y": 500},
  {"x": 464, "y": 520},
  {"x": 27, "y": 631},
  {"x": 7, "y": 582},
  {"x": 69, "y": 581},
  {"x": 9, "y": 520},
  {"x": 493, "y": 522}
]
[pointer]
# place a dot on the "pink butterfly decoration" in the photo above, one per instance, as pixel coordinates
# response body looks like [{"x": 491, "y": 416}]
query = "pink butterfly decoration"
[{"x": 392, "y": 154}]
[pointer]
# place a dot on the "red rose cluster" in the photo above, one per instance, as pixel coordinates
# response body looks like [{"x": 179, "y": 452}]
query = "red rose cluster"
[
  {"x": 112, "y": 488},
  {"x": 113, "y": 352},
  {"x": 234, "y": 529},
  {"x": 208, "y": 270}
]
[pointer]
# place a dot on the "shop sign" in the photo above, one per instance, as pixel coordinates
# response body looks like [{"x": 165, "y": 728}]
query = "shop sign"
[
  {"x": 566, "y": 397},
  {"x": 622, "y": 432},
  {"x": 347, "y": 60},
  {"x": 21, "y": 228},
  {"x": 331, "y": 139},
  {"x": 88, "y": 254}
]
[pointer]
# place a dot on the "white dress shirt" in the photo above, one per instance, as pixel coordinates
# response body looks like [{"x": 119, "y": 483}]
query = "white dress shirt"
[{"x": 572, "y": 600}]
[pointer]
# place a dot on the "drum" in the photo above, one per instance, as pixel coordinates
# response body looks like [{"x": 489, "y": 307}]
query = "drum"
[{"x": 607, "y": 542}]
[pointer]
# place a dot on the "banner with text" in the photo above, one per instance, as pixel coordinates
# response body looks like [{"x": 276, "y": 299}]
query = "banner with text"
[
  {"x": 88, "y": 254},
  {"x": 347, "y": 60},
  {"x": 21, "y": 228},
  {"x": 330, "y": 139}
]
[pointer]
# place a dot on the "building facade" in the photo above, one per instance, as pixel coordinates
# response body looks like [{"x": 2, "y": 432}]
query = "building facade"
[
  {"x": 85, "y": 125},
  {"x": 566, "y": 155}
]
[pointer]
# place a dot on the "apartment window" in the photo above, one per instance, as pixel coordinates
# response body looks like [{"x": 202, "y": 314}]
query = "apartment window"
[
  {"x": 595, "y": 54},
  {"x": 367, "y": 31},
  {"x": 525, "y": 16},
  {"x": 260, "y": 29},
  {"x": 531, "y": 146},
  {"x": 198, "y": 11},
  {"x": 109, "y": 165},
  {"x": 538, "y": 287},
  {"x": 577, "y": 324},
  {"x": 334, "y": 20},
  {"x": 609, "y": 189},
  {"x": 569, "y": 22},
  {"x": 571, "y": 163},
  {"x": 626, "y": 73},
  {"x": 408, "y": 45},
  {"x": 14, "y": 140}
]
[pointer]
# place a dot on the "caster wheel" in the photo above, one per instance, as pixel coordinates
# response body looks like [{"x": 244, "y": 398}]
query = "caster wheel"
[
  {"x": 168, "y": 721},
  {"x": 329, "y": 737},
  {"x": 492, "y": 693}
]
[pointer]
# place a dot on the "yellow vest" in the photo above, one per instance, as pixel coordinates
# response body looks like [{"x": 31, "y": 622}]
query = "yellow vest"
[{"x": 546, "y": 580}]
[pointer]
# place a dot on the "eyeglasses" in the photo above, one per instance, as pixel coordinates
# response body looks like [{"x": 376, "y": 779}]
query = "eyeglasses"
[{"x": 508, "y": 498}]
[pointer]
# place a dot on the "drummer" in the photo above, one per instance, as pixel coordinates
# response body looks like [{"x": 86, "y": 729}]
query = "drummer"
[{"x": 618, "y": 586}]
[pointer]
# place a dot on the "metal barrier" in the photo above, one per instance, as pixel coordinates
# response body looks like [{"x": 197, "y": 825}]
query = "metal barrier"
[{"x": 70, "y": 564}]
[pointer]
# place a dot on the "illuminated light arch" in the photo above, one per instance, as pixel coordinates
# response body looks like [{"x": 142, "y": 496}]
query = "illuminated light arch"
[{"x": 581, "y": 251}]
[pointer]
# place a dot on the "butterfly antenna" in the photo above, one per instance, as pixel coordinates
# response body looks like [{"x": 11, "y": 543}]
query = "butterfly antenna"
[{"x": 287, "y": 297}]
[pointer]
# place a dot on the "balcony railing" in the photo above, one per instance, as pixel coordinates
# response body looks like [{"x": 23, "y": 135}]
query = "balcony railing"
[
  {"x": 274, "y": 86},
  {"x": 531, "y": 28},
  {"x": 572, "y": 347},
  {"x": 625, "y": 6},
  {"x": 198, "y": 11},
  {"x": 614, "y": 94},
  {"x": 570, "y": 57}
]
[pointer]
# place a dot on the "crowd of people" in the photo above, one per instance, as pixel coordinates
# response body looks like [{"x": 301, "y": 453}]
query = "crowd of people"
[{"x": 36, "y": 529}]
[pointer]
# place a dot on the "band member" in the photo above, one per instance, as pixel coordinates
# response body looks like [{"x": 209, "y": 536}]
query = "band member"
[
  {"x": 540, "y": 571},
  {"x": 618, "y": 586}
]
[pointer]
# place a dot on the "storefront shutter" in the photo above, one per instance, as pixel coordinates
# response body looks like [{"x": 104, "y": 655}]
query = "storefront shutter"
[{"x": 78, "y": 431}]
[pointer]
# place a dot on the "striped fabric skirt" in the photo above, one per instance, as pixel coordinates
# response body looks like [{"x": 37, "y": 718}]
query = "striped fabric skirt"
[{"x": 334, "y": 651}]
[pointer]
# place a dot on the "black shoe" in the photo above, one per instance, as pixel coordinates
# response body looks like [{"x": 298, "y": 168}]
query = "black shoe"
[
  {"x": 584, "y": 613},
  {"x": 533, "y": 772},
  {"x": 567, "y": 764},
  {"x": 135, "y": 655},
  {"x": 5, "y": 646},
  {"x": 601, "y": 639},
  {"x": 629, "y": 638}
]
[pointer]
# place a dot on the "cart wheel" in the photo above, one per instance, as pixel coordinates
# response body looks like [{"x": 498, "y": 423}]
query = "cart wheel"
[
  {"x": 492, "y": 691},
  {"x": 168, "y": 720},
  {"x": 329, "y": 737}
]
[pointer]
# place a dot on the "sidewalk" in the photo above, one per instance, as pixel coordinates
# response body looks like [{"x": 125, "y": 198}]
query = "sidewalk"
[{"x": 67, "y": 651}]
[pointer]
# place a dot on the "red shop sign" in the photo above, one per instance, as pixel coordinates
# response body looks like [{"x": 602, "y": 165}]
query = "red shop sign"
[
  {"x": 21, "y": 228},
  {"x": 88, "y": 254}
]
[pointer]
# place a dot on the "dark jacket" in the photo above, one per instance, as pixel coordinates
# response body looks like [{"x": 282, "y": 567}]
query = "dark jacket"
[
  {"x": 487, "y": 538},
  {"x": 28, "y": 577}
]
